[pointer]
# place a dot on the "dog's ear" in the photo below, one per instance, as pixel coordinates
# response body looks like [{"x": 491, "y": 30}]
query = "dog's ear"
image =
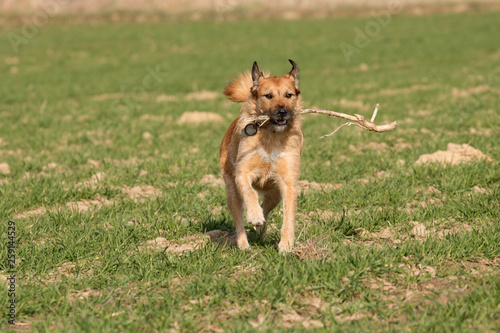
[
  {"x": 256, "y": 75},
  {"x": 295, "y": 74}
]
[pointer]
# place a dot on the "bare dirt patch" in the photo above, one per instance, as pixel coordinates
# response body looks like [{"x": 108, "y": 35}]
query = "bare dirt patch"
[
  {"x": 400, "y": 146},
  {"x": 187, "y": 244},
  {"x": 166, "y": 98},
  {"x": 155, "y": 118},
  {"x": 104, "y": 97},
  {"x": 93, "y": 163},
  {"x": 133, "y": 161},
  {"x": 34, "y": 212},
  {"x": 93, "y": 181},
  {"x": 50, "y": 166},
  {"x": 203, "y": 95},
  {"x": 197, "y": 117},
  {"x": 430, "y": 190},
  {"x": 456, "y": 92},
  {"x": 386, "y": 233},
  {"x": 481, "y": 131},
  {"x": 29, "y": 175},
  {"x": 378, "y": 147},
  {"x": 82, "y": 269},
  {"x": 147, "y": 135},
  {"x": 480, "y": 190},
  {"x": 292, "y": 318},
  {"x": 327, "y": 214},
  {"x": 455, "y": 154},
  {"x": 141, "y": 193},
  {"x": 420, "y": 231},
  {"x": 211, "y": 179},
  {"x": 4, "y": 169},
  {"x": 352, "y": 104},
  {"x": 83, "y": 294},
  {"x": 306, "y": 186},
  {"x": 455, "y": 229},
  {"x": 408, "y": 90},
  {"x": 86, "y": 205},
  {"x": 80, "y": 206}
]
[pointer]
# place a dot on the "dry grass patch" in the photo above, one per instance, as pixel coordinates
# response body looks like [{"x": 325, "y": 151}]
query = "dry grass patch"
[{"x": 311, "y": 249}]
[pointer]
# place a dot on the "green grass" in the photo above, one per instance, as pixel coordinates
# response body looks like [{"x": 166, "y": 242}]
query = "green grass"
[{"x": 438, "y": 76}]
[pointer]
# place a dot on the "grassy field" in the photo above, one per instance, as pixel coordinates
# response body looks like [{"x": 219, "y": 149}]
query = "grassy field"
[{"x": 112, "y": 186}]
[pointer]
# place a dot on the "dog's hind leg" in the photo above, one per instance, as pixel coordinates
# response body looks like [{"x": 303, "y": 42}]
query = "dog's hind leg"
[
  {"x": 271, "y": 200},
  {"x": 235, "y": 204},
  {"x": 288, "y": 228}
]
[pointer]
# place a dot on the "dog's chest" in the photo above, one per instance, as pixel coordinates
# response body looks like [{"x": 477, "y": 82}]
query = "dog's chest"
[
  {"x": 271, "y": 156},
  {"x": 268, "y": 167}
]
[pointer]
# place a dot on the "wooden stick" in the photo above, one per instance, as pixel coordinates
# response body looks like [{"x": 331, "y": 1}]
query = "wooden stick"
[{"x": 357, "y": 120}]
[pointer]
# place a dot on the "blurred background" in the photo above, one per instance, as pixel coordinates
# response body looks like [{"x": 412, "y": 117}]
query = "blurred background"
[{"x": 285, "y": 8}]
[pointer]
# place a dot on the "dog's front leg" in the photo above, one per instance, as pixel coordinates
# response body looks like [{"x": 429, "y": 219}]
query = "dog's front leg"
[
  {"x": 235, "y": 204},
  {"x": 255, "y": 216}
]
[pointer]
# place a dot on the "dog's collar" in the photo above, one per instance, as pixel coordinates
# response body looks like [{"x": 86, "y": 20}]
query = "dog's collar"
[{"x": 251, "y": 129}]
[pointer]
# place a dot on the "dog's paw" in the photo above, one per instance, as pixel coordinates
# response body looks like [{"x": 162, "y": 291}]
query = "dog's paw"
[
  {"x": 245, "y": 248},
  {"x": 258, "y": 223},
  {"x": 256, "y": 219},
  {"x": 285, "y": 247}
]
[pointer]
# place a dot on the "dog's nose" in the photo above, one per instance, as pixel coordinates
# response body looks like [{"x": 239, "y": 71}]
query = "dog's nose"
[{"x": 282, "y": 112}]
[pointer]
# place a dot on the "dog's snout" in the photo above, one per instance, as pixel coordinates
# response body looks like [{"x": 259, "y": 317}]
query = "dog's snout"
[{"x": 282, "y": 112}]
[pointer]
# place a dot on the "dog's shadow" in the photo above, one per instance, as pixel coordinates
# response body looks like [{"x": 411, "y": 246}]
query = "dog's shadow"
[{"x": 221, "y": 231}]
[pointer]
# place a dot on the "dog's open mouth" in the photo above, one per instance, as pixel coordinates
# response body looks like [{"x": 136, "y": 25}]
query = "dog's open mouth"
[{"x": 279, "y": 122}]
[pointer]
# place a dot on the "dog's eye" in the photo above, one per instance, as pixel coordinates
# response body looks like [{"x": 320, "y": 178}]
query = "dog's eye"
[
  {"x": 288, "y": 95},
  {"x": 268, "y": 96}
]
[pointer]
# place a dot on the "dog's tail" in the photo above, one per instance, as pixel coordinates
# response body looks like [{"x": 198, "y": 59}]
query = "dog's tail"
[{"x": 238, "y": 90}]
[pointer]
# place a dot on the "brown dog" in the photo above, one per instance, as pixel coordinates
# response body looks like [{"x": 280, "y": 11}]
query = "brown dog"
[{"x": 263, "y": 158}]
